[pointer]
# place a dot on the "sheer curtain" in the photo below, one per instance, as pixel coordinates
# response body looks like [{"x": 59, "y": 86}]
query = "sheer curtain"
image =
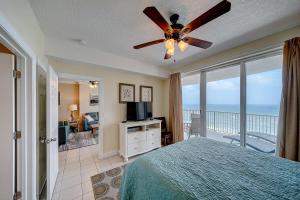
[
  {"x": 288, "y": 142},
  {"x": 175, "y": 107}
]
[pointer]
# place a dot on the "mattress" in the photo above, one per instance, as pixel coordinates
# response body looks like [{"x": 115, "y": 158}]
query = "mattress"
[{"x": 202, "y": 168}]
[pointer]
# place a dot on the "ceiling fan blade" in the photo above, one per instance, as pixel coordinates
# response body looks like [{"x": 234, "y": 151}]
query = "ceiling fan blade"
[
  {"x": 148, "y": 44},
  {"x": 167, "y": 56},
  {"x": 197, "y": 42},
  {"x": 158, "y": 19},
  {"x": 216, "y": 11}
]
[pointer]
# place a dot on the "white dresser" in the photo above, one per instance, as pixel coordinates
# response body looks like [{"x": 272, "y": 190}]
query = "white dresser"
[{"x": 139, "y": 137}]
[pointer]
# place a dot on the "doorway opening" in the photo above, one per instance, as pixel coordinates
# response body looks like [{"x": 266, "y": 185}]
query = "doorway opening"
[
  {"x": 79, "y": 112},
  {"x": 41, "y": 118}
]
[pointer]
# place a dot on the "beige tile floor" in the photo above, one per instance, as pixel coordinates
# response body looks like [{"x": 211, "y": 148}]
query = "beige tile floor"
[{"x": 75, "y": 169}]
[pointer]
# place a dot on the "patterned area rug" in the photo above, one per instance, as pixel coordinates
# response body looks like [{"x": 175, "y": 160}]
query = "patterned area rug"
[
  {"x": 106, "y": 185},
  {"x": 77, "y": 140}
]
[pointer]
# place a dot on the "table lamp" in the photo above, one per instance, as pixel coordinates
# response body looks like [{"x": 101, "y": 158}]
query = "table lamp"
[{"x": 72, "y": 108}]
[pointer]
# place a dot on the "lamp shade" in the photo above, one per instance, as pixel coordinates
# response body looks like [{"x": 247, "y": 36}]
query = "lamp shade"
[
  {"x": 169, "y": 44},
  {"x": 73, "y": 107},
  {"x": 182, "y": 45}
]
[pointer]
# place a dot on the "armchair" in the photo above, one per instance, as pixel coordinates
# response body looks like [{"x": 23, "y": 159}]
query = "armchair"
[{"x": 87, "y": 124}]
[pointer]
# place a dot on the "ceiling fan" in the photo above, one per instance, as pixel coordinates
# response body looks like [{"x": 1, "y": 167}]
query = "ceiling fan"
[{"x": 175, "y": 33}]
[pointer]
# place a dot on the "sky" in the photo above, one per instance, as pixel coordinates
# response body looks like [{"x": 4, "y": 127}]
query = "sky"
[{"x": 262, "y": 89}]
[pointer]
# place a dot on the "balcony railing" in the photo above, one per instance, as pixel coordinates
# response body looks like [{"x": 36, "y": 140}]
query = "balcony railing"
[{"x": 229, "y": 122}]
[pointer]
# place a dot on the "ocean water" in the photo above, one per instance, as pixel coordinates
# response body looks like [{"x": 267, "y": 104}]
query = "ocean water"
[
  {"x": 251, "y": 109},
  {"x": 260, "y": 118}
]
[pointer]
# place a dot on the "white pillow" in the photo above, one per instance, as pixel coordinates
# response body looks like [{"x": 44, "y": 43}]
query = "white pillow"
[{"x": 89, "y": 118}]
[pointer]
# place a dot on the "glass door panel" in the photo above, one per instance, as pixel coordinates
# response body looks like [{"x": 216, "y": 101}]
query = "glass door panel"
[
  {"x": 191, "y": 104},
  {"x": 263, "y": 101},
  {"x": 223, "y": 104}
]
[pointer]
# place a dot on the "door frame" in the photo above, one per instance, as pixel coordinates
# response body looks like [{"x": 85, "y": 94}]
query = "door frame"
[
  {"x": 26, "y": 63},
  {"x": 101, "y": 104}
]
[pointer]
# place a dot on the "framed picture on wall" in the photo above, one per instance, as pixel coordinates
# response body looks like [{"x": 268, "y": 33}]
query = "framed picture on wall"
[
  {"x": 146, "y": 93},
  {"x": 94, "y": 100},
  {"x": 126, "y": 92}
]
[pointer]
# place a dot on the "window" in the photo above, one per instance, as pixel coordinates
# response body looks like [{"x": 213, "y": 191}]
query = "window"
[
  {"x": 190, "y": 101},
  {"x": 241, "y": 103},
  {"x": 263, "y": 102},
  {"x": 223, "y": 104}
]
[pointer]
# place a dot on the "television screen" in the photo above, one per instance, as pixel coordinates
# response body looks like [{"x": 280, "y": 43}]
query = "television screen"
[
  {"x": 137, "y": 111},
  {"x": 140, "y": 111},
  {"x": 148, "y": 110}
]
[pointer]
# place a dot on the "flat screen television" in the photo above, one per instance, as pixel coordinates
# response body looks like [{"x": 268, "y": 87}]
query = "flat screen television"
[{"x": 137, "y": 111}]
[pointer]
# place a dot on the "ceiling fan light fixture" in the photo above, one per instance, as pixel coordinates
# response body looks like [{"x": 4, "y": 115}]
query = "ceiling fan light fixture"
[
  {"x": 171, "y": 51},
  {"x": 93, "y": 84},
  {"x": 169, "y": 44},
  {"x": 182, "y": 45},
  {"x": 176, "y": 33}
]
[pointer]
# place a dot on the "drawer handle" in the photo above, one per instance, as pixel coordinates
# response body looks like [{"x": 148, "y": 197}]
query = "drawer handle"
[
  {"x": 135, "y": 147},
  {"x": 135, "y": 138}
]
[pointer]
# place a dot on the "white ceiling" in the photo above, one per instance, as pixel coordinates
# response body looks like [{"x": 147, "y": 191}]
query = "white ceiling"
[{"x": 114, "y": 26}]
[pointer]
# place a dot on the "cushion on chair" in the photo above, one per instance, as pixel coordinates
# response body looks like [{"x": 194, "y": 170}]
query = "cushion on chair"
[
  {"x": 89, "y": 118},
  {"x": 94, "y": 115}
]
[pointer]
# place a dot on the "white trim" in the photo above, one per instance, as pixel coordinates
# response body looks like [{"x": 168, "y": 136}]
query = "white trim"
[
  {"x": 110, "y": 154},
  {"x": 101, "y": 104},
  {"x": 27, "y": 61},
  {"x": 236, "y": 61}
]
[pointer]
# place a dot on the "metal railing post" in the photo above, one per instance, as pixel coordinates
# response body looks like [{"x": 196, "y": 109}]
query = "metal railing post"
[
  {"x": 214, "y": 121},
  {"x": 228, "y": 122}
]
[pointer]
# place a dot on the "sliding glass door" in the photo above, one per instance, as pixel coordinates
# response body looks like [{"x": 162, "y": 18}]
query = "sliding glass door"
[
  {"x": 263, "y": 101},
  {"x": 223, "y": 104},
  {"x": 191, "y": 104},
  {"x": 236, "y": 104}
]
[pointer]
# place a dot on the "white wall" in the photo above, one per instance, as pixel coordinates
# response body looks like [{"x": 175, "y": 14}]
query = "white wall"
[
  {"x": 84, "y": 99},
  {"x": 19, "y": 15},
  {"x": 114, "y": 112},
  {"x": 18, "y": 20},
  {"x": 72, "y": 51}
]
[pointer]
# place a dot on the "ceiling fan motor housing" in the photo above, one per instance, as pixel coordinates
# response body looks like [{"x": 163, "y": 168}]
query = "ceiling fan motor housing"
[{"x": 176, "y": 33}]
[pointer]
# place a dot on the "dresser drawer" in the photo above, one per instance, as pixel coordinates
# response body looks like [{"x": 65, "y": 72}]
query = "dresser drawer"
[
  {"x": 152, "y": 144},
  {"x": 136, "y": 137},
  {"x": 153, "y": 134},
  {"x": 136, "y": 148}
]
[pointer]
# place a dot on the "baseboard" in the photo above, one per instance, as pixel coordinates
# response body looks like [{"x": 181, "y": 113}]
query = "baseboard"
[{"x": 110, "y": 154}]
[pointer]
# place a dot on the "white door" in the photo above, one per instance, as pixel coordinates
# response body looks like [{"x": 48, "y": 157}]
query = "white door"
[
  {"x": 52, "y": 130},
  {"x": 6, "y": 126}
]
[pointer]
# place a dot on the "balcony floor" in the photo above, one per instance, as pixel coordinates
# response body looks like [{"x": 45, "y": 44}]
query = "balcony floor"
[{"x": 219, "y": 137}]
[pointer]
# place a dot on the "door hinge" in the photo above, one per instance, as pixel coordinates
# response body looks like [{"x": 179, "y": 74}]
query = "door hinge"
[
  {"x": 17, "y": 135},
  {"x": 17, "y": 195},
  {"x": 17, "y": 74}
]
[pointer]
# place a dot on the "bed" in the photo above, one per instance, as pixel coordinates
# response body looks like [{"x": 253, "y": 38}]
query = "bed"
[{"x": 201, "y": 168}]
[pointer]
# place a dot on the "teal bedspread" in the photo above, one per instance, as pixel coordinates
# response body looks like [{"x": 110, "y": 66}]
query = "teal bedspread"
[{"x": 201, "y": 168}]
